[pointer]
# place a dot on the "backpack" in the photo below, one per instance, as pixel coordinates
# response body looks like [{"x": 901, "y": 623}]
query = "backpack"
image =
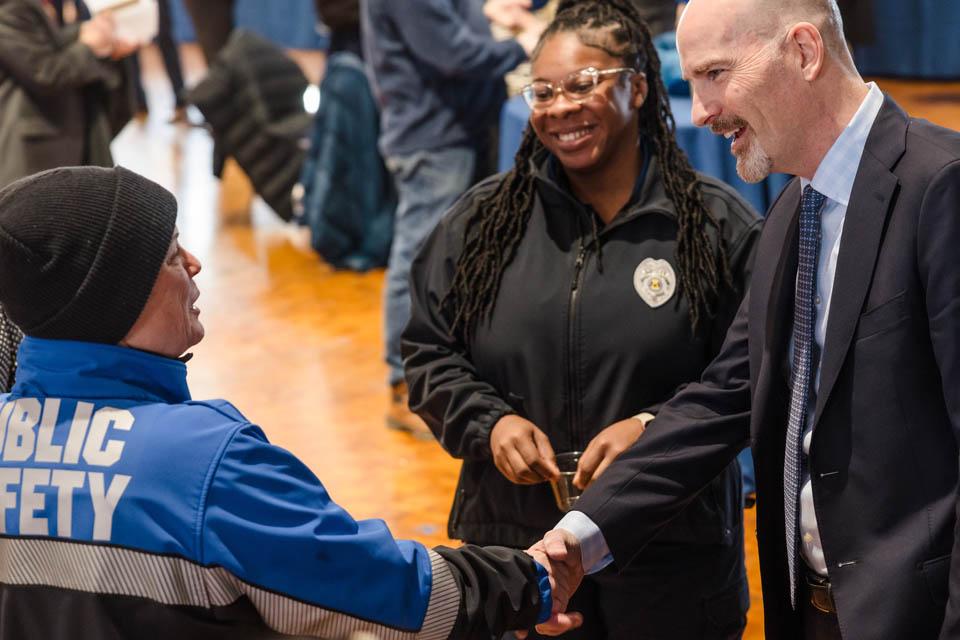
[{"x": 348, "y": 196}]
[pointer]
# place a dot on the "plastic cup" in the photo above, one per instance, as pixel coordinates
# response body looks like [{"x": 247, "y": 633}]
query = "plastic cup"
[{"x": 564, "y": 491}]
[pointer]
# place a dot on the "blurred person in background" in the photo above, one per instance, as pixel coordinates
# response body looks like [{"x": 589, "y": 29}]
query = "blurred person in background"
[
  {"x": 858, "y": 21},
  {"x": 212, "y": 24},
  {"x": 54, "y": 89},
  {"x": 55, "y": 81},
  {"x": 561, "y": 302},
  {"x": 171, "y": 62},
  {"x": 213, "y": 21},
  {"x": 342, "y": 18},
  {"x": 437, "y": 73}
]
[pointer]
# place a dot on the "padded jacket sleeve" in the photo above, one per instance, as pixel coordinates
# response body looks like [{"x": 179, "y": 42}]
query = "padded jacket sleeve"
[{"x": 311, "y": 570}]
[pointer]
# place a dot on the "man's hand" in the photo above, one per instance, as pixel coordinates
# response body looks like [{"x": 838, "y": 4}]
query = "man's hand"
[
  {"x": 604, "y": 449},
  {"x": 559, "y": 553},
  {"x": 522, "y": 452},
  {"x": 97, "y": 34}
]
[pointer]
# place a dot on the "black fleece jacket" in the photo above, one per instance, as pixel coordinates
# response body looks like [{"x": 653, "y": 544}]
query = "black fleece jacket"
[{"x": 572, "y": 346}]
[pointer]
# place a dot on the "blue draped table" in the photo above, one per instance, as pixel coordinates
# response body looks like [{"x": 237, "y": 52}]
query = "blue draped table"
[
  {"x": 708, "y": 152},
  {"x": 289, "y": 23}
]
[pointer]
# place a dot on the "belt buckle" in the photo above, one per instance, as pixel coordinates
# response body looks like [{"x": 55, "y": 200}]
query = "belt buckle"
[{"x": 821, "y": 594}]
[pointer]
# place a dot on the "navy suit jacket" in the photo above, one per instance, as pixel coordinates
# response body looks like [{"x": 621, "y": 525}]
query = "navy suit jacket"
[{"x": 884, "y": 452}]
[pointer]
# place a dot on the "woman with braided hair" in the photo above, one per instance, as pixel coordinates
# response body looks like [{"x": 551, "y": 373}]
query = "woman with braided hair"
[{"x": 559, "y": 303}]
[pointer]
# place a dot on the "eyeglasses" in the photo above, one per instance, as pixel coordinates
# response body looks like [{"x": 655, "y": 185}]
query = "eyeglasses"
[{"x": 577, "y": 87}]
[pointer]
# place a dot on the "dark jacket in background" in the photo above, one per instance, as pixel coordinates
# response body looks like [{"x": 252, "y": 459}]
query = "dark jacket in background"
[
  {"x": 342, "y": 17},
  {"x": 858, "y": 21},
  {"x": 339, "y": 14},
  {"x": 571, "y": 348},
  {"x": 253, "y": 99},
  {"x": 54, "y": 100},
  {"x": 660, "y": 15},
  {"x": 436, "y": 71},
  {"x": 349, "y": 198}
]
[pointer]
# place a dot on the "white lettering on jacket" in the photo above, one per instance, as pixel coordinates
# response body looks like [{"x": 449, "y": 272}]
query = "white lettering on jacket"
[{"x": 29, "y": 434}]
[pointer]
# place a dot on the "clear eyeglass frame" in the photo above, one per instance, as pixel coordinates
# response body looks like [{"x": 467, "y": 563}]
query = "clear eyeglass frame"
[{"x": 577, "y": 87}]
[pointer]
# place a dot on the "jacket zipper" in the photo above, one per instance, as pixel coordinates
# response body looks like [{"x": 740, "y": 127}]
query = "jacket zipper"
[{"x": 572, "y": 351}]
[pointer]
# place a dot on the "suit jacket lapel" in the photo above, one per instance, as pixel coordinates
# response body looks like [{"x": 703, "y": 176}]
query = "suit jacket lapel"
[{"x": 865, "y": 220}]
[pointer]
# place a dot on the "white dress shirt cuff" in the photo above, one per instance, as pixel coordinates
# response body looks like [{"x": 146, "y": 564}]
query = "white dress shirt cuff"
[{"x": 594, "y": 552}]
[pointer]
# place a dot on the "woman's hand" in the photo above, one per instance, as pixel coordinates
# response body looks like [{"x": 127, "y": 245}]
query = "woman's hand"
[
  {"x": 604, "y": 449},
  {"x": 522, "y": 452}
]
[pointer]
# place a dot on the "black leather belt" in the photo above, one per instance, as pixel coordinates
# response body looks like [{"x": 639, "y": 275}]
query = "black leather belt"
[{"x": 821, "y": 593}]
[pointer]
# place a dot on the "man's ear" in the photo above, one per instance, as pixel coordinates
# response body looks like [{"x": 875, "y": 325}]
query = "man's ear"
[
  {"x": 640, "y": 89},
  {"x": 807, "y": 42}
]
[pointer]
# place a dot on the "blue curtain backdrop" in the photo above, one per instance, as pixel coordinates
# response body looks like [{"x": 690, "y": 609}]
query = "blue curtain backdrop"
[
  {"x": 289, "y": 23},
  {"x": 914, "y": 39}
]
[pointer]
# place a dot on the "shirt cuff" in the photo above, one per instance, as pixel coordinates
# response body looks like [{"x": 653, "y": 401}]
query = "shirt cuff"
[
  {"x": 646, "y": 418},
  {"x": 594, "y": 552},
  {"x": 546, "y": 596}
]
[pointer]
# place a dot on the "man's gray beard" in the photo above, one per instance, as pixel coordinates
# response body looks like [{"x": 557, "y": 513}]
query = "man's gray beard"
[{"x": 754, "y": 164}]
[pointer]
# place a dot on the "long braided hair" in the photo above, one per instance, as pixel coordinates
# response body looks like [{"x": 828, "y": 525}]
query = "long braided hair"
[{"x": 494, "y": 230}]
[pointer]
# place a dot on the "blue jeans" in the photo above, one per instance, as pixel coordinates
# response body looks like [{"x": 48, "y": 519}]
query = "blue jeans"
[
  {"x": 428, "y": 183},
  {"x": 747, "y": 472}
]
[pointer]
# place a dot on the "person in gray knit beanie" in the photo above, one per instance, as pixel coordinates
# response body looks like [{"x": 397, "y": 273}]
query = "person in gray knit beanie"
[{"x": 80, "y": 251}]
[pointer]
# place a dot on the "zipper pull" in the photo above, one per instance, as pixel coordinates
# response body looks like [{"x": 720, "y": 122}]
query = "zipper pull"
[{"x": 577, "y": 266}]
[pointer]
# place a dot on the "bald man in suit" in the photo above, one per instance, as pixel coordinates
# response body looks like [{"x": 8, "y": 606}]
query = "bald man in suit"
[{"x": 842, "y": 369}]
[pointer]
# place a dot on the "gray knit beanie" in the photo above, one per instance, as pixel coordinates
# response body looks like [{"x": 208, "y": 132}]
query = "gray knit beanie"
[{"x": 80, "y": 250}]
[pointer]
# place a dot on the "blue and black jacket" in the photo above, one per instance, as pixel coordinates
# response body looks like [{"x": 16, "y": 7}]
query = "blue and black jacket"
[{"x": 127, "y": 510}]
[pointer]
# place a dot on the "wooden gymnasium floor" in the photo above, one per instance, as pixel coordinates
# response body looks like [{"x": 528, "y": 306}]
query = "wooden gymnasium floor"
[{"x": 297, "y": 346}]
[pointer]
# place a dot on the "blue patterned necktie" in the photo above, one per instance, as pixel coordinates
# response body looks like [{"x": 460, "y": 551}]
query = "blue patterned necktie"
[{"x": 804, "y": 318}]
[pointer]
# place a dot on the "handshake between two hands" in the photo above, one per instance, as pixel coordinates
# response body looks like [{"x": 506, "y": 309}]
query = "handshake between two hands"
[
  {"x": 523, "y": 454},
  {"x": 559, "y": 553}
]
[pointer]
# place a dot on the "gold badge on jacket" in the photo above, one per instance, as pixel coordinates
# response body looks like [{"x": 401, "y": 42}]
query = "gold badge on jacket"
[{"x": 655, "y": 281}]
